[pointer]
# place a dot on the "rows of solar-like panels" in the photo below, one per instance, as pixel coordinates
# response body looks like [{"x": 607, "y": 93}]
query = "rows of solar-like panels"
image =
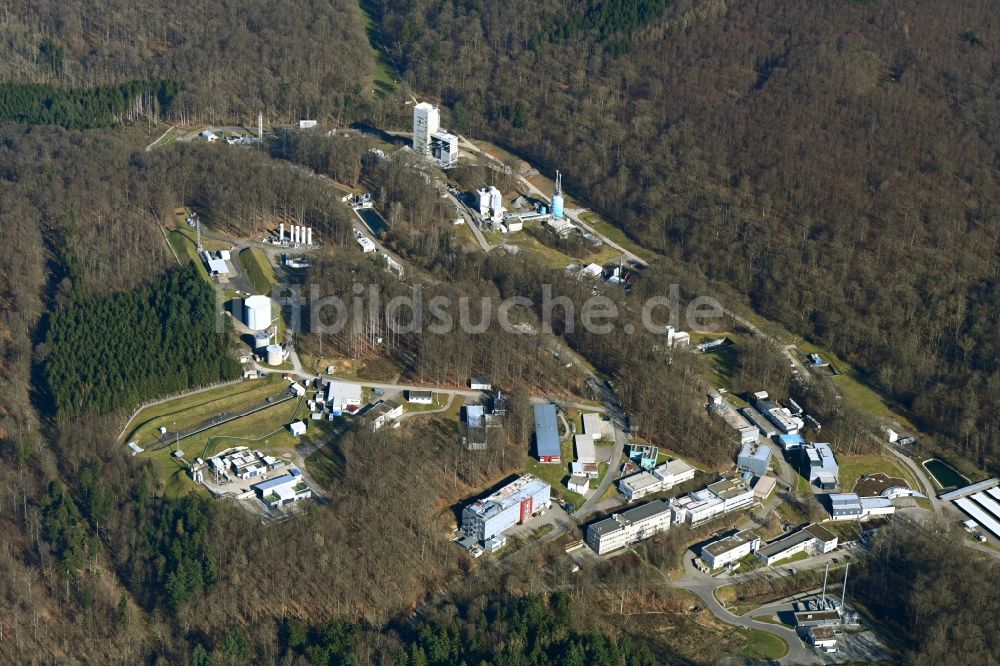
[{"x": 984, "y": 508}]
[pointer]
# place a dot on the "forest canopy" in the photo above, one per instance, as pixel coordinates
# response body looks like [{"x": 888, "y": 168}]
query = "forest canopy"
[
  {"x": 834, "y": 163},
  {"x": 111, "y": 353}
]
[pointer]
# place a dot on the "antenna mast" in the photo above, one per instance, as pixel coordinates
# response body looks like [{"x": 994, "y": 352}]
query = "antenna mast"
[{"x": 843, "y": 591}]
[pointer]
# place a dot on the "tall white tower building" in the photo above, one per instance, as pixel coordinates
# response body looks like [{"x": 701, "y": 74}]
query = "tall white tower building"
[{"x": 426, "y": 121}]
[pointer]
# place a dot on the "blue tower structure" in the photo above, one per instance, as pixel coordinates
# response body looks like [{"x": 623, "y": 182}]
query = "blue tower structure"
[{"x": 557, "y": 198}]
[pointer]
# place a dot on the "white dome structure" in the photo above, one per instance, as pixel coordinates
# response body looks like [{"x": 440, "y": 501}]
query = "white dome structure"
[{"x": 257, "y": 312}]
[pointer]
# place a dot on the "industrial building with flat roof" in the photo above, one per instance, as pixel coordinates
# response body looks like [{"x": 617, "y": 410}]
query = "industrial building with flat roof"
[
  {"x": 585, "y": 451},
  {"x": 547, "y": 434},
  {"x": 821, "y": 465},
  {"x": 592, "y": 425},
  {"x": 628, "y": 527},
  {"x": 342, "y": 397},
  {"x": 723, "y": 551},
  {"x": 663, "y": 477},
  {"x": 282, "y": 490},
  {"x": 511, "y": 505},
  {"x": 382, "y": 413},
  {"x": 747, "y": 431},
  {"x": 763, "y": 425},
  {"x": 782, "y": 417},
  {"x": 755, "y": 458},
  {"x": 813, "y": 539}
]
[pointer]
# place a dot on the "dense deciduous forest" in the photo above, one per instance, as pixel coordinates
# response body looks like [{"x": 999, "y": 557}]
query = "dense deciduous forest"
[
  {"x": 292, "y": 60},
  {"x": 834, "y": 163},
  {"x": 934, "y": 593},
  {"x": 111, "y": 353}
]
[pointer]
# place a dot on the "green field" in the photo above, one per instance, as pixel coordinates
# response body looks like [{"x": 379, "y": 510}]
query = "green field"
[
  {"x": 189, "y": 410},
  {"x": 762, "y": 645},
  {"x": 383, "y": 78},
  {"x": 556, "y": 474},
  {"x": 853, "y": 468},
  {"x": 615, "y": 234},
  {"x": 259, "y": 270}
]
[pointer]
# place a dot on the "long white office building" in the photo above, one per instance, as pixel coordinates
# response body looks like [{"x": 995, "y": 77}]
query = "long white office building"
[
  {"x": 721, "y": 552},
  {"x": 511, "y": 505},
  {"x": 718, "y": 498},
  {"x": 628, "y": 527},
  {"x": 663, "y": 477}
]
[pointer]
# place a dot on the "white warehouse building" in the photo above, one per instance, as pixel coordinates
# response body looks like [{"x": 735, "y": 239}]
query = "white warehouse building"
[
  {"x": 511, "y": 505},
  {"x": 628, "y": 527}
]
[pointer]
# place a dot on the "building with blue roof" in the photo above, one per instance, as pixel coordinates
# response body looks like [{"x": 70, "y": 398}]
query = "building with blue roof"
[
  {"x": 791, "y": 442},
  {"x": 547, "y": 434}
]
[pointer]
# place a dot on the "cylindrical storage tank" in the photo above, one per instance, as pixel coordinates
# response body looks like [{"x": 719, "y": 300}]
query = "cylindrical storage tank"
[
  {"x": 257, "y": 312},
  {"x": 261, "y": 340},
  {"x": 557, "y": 206},
  {"x": 274, "y": 355}
]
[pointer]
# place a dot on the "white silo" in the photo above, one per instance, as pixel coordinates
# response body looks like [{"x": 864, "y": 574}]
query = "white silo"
[
  {"x": 274, "y": 355},
  {"x": 281, "y": 233},
  {"x": 261, "y": 340},
  {"x": 309, "y": 236},
  {"x": 257, "y": 312}
]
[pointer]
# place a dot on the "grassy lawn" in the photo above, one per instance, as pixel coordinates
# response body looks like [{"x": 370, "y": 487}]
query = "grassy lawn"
[
  {"x": 790, "y": 515},
  {"x": 264, "y": 430},
  {"x": 383, "y": 77},
  {"x": 794, "y": 558},
  {"x": 721, "y": 364},
  {"x": 853, "y": 386},
  {"x": 555, "y": 474},
  {"x": 615, "y": 234},
  {"x": 853, "y": 468},
  {"x": 189, "y": 410},
  {"x": 259, "y": 270},
  {"x": 440, "y": 400},
  {"x": 762, "y": 645}
]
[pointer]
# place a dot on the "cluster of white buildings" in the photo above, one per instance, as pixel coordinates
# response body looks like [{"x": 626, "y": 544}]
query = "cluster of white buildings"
[
  {"x": 715, "y": 500},
  {"x": 645, "y": 520},
  {"x": 238, "y": 463},
  {"x": 663, "y": 477},
  {"x": 629, "y": 526},
  {"x": 512, "y": 505},
  {"x": 814, "y": 540}
]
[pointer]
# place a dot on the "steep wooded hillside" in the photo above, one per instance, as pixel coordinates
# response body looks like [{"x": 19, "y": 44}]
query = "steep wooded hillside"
[
  {"x": 834, "y": 162},
  {"x": 288, "y": 60}
]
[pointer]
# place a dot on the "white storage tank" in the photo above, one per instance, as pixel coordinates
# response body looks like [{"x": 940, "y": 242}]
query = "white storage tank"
[
  {"x": 261, "y": 340},
  {"x": 274, "y": 355},
  {"x": 257, "y": 312}
]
